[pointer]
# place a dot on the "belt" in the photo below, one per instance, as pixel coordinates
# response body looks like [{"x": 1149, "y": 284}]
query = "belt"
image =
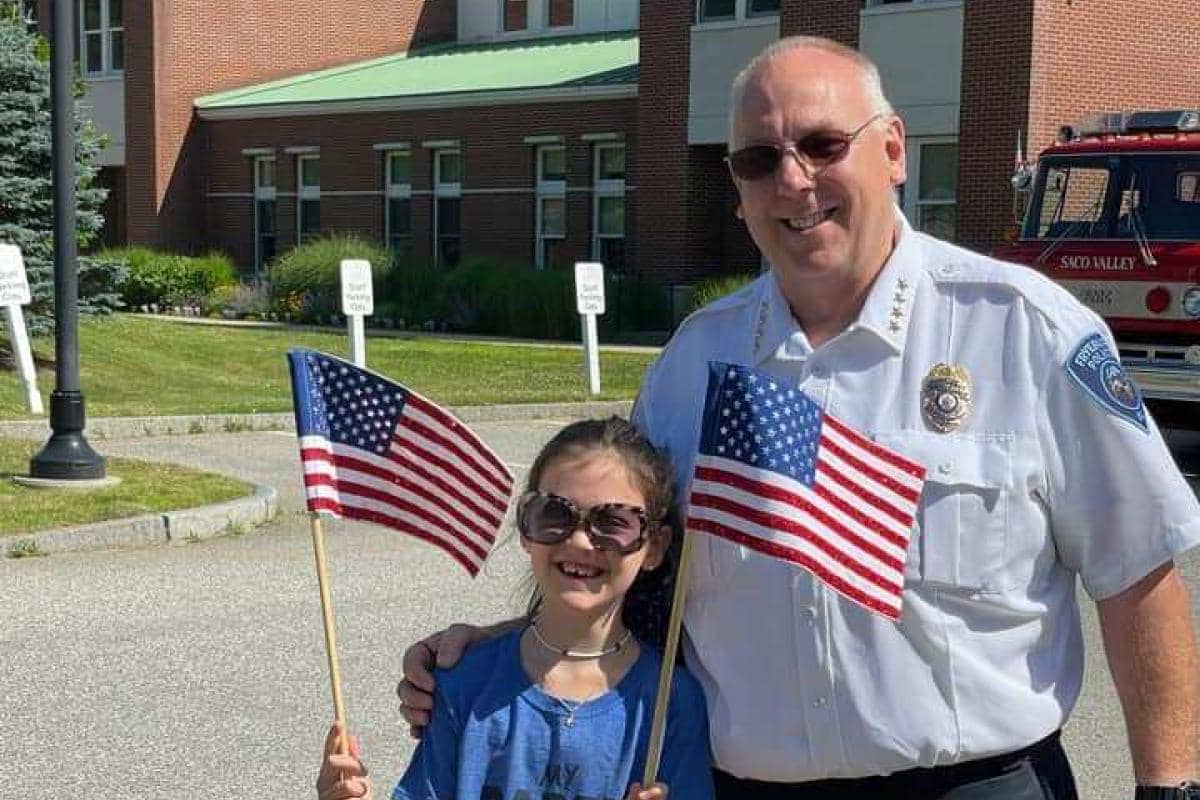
[{"x": 917, "y": 782}]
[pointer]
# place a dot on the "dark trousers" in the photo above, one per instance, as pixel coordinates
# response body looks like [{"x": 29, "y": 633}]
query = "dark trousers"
[{"x": 1038, "y": 772}]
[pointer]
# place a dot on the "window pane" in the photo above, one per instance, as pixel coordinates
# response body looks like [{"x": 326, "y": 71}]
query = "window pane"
[
  {"x": 265, "y": 218},
  {"x": 117, "y": 49},
  {"x": 612, "y": 254},
  {"x": 399, "y": 217},
  {"x": 938, "y": 220},
  {"x": 399, "y": 168},
  {"x": 310, "y": 172},
  {"x": 612, "y": 164},
  {"x": 554, "y": 216},
  {"x": 1073, "y": 202},
  {"x": 91, "y": 15},
  {"x": 400, "y": 246},
  {"x": 450, "y": 168},
  {"x": 93, "y": 43},
  {"x": 717, "y": 9},
  {"x": 763, "y": 7},
  {"x": 310, "y": 217},
  {"x": 516, "y": 15},
  {"x": 555, "y": 252},
  {"x": 114, "y": 14},
  {"x": 612, "y": 216},
  {"x": 1188, "y": 187},
  {"x": 562, "y": 13},
  {"x": 554, "y": 164},
  {"x": 449, "y": 250},
  {"x": 448, "y": 216},
  {"x": 266, "y": 173},
  {"x": 939, "y": 171}
]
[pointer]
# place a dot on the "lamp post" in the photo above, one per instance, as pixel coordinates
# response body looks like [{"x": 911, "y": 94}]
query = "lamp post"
[{"x": 67, "y": 455}]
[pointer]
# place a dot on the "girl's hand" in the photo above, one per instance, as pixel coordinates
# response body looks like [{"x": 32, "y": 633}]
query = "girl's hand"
[
  {"x": 656, "y": 792},
  {"x": 342, "y": 777}
]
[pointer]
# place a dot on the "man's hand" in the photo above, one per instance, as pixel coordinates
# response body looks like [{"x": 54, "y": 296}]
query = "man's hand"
[
  {"x": 442, "y": 649},
  {"x": 1150, "y": 642},
  {"x": 343, "y": 775},
  {"x": 656, "y": 792}
]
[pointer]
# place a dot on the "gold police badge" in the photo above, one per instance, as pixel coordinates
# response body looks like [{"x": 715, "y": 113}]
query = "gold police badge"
[{"x": 946, "y": 397}]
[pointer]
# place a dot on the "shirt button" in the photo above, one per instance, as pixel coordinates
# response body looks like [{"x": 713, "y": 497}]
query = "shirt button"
[
  {"x": 819, "y": 702},
  {"x": 820, "y": 372},
  {"x": 810, "y": 616},
  {"x": 946, "y": 270},
  {"x": 945, "y": 468}
]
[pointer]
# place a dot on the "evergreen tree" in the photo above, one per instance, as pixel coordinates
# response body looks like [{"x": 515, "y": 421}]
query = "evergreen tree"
[{"x": 26, "y": 188}]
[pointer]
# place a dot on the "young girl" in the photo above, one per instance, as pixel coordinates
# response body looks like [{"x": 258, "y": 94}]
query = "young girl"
[{"x": 562, "y": 708}]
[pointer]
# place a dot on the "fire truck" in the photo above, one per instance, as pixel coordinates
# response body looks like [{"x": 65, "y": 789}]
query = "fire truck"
[{"x": 1113, "y": 215}]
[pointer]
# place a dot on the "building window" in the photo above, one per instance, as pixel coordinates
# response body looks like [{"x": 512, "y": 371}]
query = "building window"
[
  {"x": 264, "y": 213},
  {"x": 561, "y": 13},
  {"x": 933, "y": 167},
  {"x": 308, "y": 198},
  {"x": 719, "y": 10},
  {"x": 447, "y": 207},
  {"x": 608, "y": 207},
  {"x": 398, "y": 202},
  {"x": 550, "y": 227},
  {"x": 101, "y": 37},
  {"x": 514, "y": 15}
]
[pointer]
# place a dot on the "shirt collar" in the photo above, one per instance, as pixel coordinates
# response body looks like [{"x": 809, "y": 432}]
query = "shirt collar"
[
  {"x": 888, "y": 307},
  {"x": 885, "y": 314}
]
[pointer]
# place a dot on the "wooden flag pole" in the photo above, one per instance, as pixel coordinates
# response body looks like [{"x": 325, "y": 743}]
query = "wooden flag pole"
[
  {"x": 658, "y": 727},
  {"x": 335, "y": 675}
]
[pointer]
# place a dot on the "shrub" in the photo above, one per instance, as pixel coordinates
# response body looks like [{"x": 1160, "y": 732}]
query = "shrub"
[
  {"x": 415, "y": 294},
  {"x": 305, "y": 280},
  {"x": 504, "y": 297},
  {"x": 716, "y": 288},
  {"x": 236, "y": 301},
  {"x": 166, "y": 279}
]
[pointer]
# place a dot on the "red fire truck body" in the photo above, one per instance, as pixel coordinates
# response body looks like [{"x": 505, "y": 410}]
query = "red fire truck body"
[{"x": 1114, "y": 216}]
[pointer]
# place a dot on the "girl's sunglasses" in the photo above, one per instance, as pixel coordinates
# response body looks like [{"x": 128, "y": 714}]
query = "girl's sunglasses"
[
  {"x": 819, "y": 149},
  {"x": 550, "y": 519}
]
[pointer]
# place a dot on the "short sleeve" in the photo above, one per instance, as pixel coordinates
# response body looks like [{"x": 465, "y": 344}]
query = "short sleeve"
[
  {"x": 433, "y": 772},
  {"x": 686, "y": 766},
  {"x": 1118, "y": 505}
]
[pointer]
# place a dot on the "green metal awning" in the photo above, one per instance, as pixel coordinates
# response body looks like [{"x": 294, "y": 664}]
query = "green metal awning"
[{"x": 581, "y": 67}]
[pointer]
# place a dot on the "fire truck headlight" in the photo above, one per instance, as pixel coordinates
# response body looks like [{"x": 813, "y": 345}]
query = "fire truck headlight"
[{"x": 1191, "y": 302}]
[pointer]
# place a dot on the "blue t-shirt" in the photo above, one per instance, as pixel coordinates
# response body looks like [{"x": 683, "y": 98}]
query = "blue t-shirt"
[{"x": 495, "y": 735}]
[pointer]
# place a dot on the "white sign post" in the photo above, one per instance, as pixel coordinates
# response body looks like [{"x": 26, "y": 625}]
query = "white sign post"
[
  {"x": 14, "y": 293},
  {"x": 589, "y": 299},
  {"x": 358, "y": 301}
]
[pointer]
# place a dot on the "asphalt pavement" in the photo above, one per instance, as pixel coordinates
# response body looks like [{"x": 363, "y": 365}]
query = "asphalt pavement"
[{"x": 198, "y": 670}]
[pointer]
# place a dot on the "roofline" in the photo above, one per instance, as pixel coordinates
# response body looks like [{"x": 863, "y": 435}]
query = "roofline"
[{"x": 556, "y": 94}]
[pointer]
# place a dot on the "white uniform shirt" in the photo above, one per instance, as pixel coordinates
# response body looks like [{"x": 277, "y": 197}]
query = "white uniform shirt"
[{"x": 1042, "y": 482}]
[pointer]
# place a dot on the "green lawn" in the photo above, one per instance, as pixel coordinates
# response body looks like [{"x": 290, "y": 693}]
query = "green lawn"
[
  {"x": 144, "y": 488},
  {"x": 133, "y": 366}
]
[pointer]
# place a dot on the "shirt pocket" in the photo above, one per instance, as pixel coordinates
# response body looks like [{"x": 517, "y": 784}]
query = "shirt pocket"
[{"x": 962, "y": 524}]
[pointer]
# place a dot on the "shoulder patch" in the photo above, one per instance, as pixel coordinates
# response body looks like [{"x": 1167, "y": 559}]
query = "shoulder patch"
[{"x": 1098, "y": 371}]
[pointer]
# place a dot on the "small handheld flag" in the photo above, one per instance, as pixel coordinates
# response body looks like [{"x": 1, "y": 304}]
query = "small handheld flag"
[
  {"x": 778, "y": 475},
  {"x": 373, "y": 450}
]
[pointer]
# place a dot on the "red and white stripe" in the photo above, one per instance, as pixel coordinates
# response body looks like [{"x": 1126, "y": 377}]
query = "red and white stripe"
[
  {"x": 850, "y": 528},
  {"x": 437, "y": 482}
]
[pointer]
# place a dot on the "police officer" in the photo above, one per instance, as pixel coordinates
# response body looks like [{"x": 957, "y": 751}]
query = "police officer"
[{"x": 1042, "y": 466}]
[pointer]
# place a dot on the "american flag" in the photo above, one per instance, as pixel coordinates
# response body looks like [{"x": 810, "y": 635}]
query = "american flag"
[
  {"x": 777, "y": 474},
  {"x": 376, "y": 451}
]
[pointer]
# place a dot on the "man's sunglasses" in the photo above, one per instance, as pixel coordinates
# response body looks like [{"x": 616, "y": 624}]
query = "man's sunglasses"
[
  {"x": 817, "y": 151},
  {"x": 550, "y": 519}
]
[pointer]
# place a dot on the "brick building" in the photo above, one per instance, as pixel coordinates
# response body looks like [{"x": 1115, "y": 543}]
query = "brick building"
[{"x": 554, "y": 130}]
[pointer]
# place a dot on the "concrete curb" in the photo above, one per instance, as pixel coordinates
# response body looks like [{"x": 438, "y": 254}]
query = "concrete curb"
[
  {"x": 129, "y": 427},
  {"x": 171, "y": 527}
]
